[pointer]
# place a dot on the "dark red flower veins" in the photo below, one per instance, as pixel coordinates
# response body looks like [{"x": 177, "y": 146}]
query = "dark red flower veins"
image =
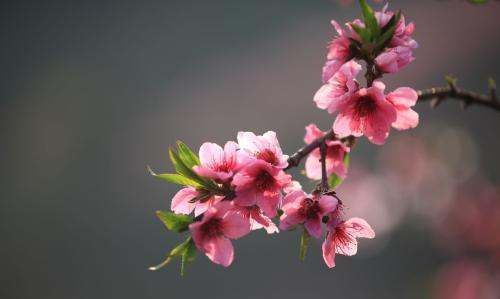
[
  {"x": 212, "y": 228},
  {"x": 268, "y": 156},
  {"x": 264, "y": 181},
  {"x": 364, "y": 106}
]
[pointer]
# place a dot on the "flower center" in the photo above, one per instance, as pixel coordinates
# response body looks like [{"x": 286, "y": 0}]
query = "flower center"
[
  {"x": 224, "y": 167},
  {"x": 310, "y": 208},
  {"x": 264, "y": 181},
  {"x": 212, "y": 228},
  {"x": 268, "y": 156},
  {"x": 365, "y": 106}
]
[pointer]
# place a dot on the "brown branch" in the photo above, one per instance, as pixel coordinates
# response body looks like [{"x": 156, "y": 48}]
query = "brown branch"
[
  {"x": 431, "y": 94},
  {"x": 324, "y": 176},
  {"x": 438, "y": 94}
]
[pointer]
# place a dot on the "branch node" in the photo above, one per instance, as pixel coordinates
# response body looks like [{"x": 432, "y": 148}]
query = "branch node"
[
  {"x": 436, "y": 101},
  {"x": 452, "y": 83},
  {"x": 492, "y": 86}
]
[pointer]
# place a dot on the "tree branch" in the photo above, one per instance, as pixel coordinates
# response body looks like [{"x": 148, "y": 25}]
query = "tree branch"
[
  {"x": 436, "y": 95},
  {"x": 324, "y": 175}
]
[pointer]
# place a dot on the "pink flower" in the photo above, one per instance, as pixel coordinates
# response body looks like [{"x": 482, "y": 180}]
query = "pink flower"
[
  {"x": 338, "y": 48},
  {"x": 299, "y": 207},
  {"x": 213, "y": 233},
  {"x": 394, "y": 59},
  {"x": 259, "y": 183},
  {"x": 342, "y": 236},
  {"x": 265, "y": 148},
  {"x": 217, "y": 163},
  {"x": 181, "y": 203},
  {"x": 402, "y": 35},
  {"x": 403, "y": 99},
  {"x": 403, "y": 32},
  {"x": 338, "y": 52},
  {"x": 339, "y": 87},
  {"x": 330, "y": 68},
  {"x": 336, "y": 150},
  {"x": 366, "y": 112},
  {"x": 383, "y": 16},
  {"x": 465, "y": 279},
  {"x": 256, "y": 218}
]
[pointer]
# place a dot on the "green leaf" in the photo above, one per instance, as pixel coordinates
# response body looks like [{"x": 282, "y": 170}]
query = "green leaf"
[
  {"x": 180, "y": 167},
  {"x": 362, "y": 32},
  {"x": 370, "y": 21},
  {"x": 174, "y": 178},
  {"x": 174, "y": 222},
  {"x": 186, "y": 251},
  {"x": 304, "y": 244},
  {"x": 188, "y": 256},
  {"x": 478, "y": 1},
  {"x": 388, "y": 32},
  {"x": 187, "y": 156},
  {"x": 335, "y": 180},
  {"x": 186, "y": 171}
]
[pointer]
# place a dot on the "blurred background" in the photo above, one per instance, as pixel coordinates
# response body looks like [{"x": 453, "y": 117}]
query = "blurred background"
[{"x": 92, "y": 91}]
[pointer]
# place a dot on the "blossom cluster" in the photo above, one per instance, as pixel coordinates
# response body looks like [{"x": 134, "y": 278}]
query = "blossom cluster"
[
  {"x": 368, "y": 110},
  {"x": 251, "y": 188},
  {"x": 242, "y": 186}
]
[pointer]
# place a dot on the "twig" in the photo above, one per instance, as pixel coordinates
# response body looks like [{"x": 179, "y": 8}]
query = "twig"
[
  {"x": 324, "y": 175},
  {"x": 438, "y": 94}
]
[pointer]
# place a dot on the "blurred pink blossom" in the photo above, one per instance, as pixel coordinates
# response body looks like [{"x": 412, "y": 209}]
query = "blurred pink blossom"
[{"x": 336, "y": 151}]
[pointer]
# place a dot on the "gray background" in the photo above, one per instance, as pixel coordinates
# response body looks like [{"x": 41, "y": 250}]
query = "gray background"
[{"x": 91, "y": 92}]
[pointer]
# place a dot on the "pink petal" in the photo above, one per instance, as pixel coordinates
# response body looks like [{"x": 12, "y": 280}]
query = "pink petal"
[
  {"x": 258, "y": 221},
  {"x": 337, "y": 27},
  {"x": 313, "y": 166},
  {"x": 328, "y": 248},
  {"x": 359, "y": 228},
  {"x": 268, "y": 204},
  {"x": 327, "y": 204},
  {"x": 406, "y": 119},
  {"x": 387, "y": 62},
  {"x": 283, "y": 179},
  {"x": 312, "y": 133},
  {"x": 351, "y": 69},
  {"x": 246, "y": 197},
  {"x": 211, "y": 154},
  {"x": 293, "y": 186},
  {"x": 293, "y": 199},
  {"x": 330, "y": 68},
  {"x": 291, "y": 219},
  {"x": 313, "y": 226},
  {"x": 210, "y": 173},
  {"x": 180, "y": 203},
  {"x": 378, "y": 123},
  {"x": 345, "y": 125},
  {"x": 248, "y": 141},
  {"x": 219, "y": 250},
  {"x": 322, "y": 97},
  {"x": 403, "y": 97},
  {"x": 349, "y": 247},
  {"x": 235, "y": 226}
]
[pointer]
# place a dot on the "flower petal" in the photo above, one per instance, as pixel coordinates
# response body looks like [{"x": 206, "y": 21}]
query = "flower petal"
[
  {"x": 235, "y": 226},
  {"x": 180, "y": 203},
  {"x": 219, "y": 250},
  {"x": 359, "y": 228}
]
